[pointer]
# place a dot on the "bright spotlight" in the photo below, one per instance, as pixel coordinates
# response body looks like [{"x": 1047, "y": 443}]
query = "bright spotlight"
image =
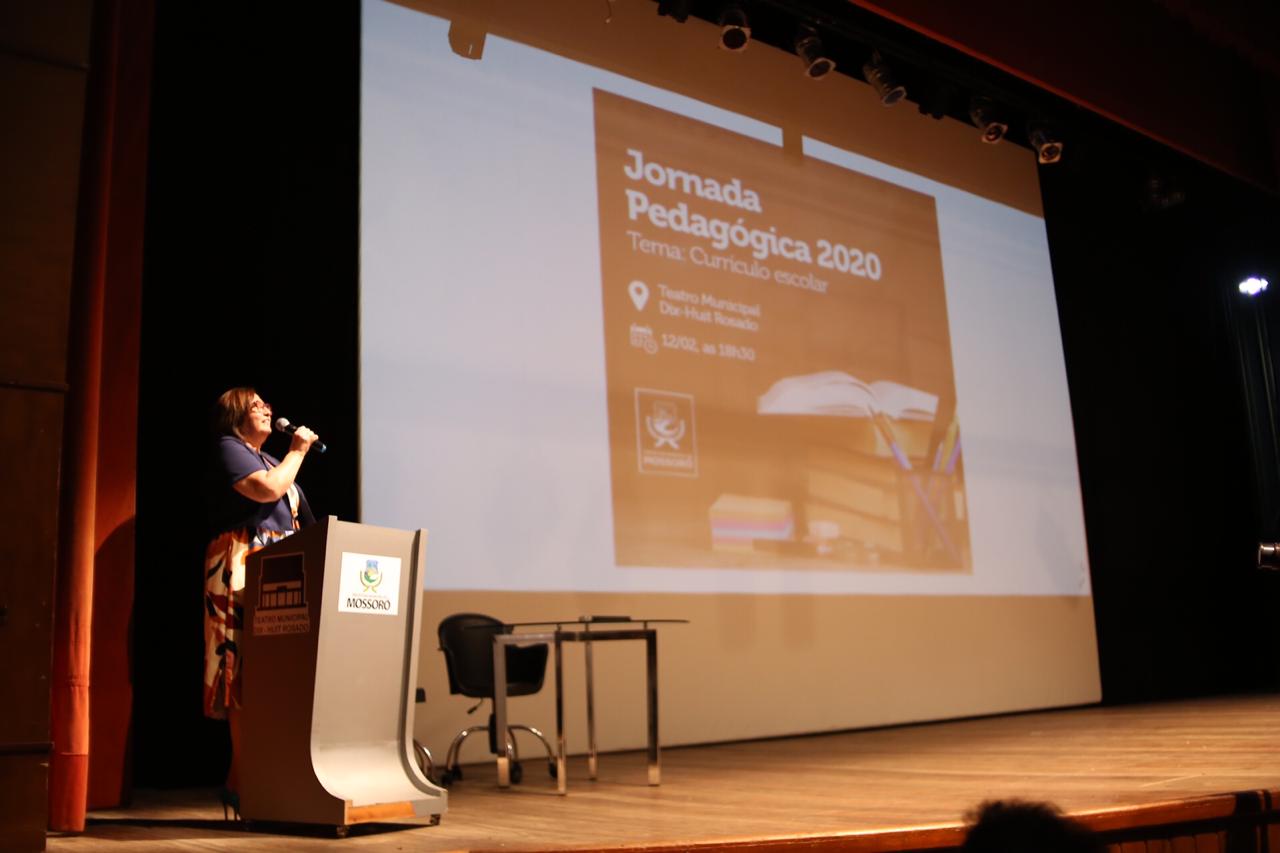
[
  {"x": 880, "y": 76},
  {"x": 983, "y": 114},
  {"x": 1253, "y": 285},
  {"x": 735, "y": 29},
  {"x": 809, "y": 49},
  {"x": 1047, "y": 148}
]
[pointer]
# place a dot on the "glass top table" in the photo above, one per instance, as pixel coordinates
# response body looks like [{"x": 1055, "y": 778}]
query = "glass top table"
[{"x": 586, "y": 630}]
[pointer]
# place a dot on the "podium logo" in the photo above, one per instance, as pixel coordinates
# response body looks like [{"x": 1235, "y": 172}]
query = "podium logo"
[
  {"x": 371, "y": 576},
  {"x": 369, "y": 584},
  {"x": 281, "y": 607},
  {"x": 665, "y": 435}
]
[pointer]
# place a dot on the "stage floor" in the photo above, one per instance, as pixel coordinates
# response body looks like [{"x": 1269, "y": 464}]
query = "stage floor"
[{"x": 895, "y": 788}]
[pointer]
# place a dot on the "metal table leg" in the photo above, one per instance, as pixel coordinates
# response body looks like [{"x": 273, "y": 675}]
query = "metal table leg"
[
  {"x": 651, "y": 666},
  {"x": 591, "y": 712},
  {"x": 562, "y": 775},
  {"x": 499, "y": 733}
]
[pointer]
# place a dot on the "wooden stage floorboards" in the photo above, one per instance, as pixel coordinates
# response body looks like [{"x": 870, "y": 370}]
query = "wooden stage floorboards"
[{"x": 1120, "y": 769}]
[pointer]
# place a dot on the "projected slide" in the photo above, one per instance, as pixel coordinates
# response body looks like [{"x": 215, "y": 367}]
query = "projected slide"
[
  {"x": 652, "y": 328},
  {"x": 777, "y": 349},
  {"x": 726, "y": 332}
]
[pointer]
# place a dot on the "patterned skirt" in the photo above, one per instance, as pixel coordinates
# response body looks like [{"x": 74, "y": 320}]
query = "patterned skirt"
[{"x": 224, "y": 614}]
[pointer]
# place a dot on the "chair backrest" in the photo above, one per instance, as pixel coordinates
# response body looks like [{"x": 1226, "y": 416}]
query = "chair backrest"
[{"x": 466, "y": 639}]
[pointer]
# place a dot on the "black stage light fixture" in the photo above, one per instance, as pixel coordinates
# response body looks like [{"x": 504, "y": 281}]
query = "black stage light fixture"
[
  {"x": 880, "y": 76},
  {"x": 936, "y": 99},
  {"x": 984, "y": 115},
  {"x": 1163, "y": 191},
  {"x": 1047, "y": 146},
  {"x": 809, "y": 48},
  {"x": 735, "y": 29},
  {"x": 1269, "y": 556},
  {"x": 675, "y": 9}
]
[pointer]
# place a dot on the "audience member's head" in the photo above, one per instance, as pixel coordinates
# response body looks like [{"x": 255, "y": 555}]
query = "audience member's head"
[{"x": 1018, "y": 826}]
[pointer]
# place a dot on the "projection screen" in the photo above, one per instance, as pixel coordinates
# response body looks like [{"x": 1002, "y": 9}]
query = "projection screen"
[{"x": 657, "y": 329}]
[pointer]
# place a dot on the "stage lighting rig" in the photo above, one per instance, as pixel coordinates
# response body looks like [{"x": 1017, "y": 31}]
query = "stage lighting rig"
[
  {"x": 1163, "y": 191},
  {"x": 735, "y": 29},
  {"x": 983, "y": 114},
  {"x": 1048, "y": 147},
  {"x": 880, "y": 76},
  {"x": 936, "y": 98},
  {"x": 808, "y": 46},
  {"x": 1269, "y": 556},
  {"x": 678, "y": 10}
]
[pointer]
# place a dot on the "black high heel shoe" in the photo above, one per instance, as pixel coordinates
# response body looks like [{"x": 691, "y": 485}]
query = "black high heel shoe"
[{"x": 230, "y": 803}]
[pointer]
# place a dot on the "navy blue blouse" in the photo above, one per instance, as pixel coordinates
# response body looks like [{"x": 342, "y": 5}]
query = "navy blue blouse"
[{"x": 230, "y": 510}]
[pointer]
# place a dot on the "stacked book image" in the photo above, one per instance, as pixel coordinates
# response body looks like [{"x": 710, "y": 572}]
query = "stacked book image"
[
  {"x": 880, "y": 493},
  {"x": 739, "y": 521},
  {"x": 856, "y": 497}
]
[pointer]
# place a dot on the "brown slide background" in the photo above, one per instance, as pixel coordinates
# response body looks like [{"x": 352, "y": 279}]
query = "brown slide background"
[{"x": 672, "y": 343}]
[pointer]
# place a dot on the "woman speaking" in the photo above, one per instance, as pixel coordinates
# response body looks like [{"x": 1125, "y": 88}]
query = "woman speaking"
[{"x": 254, "y": 501}]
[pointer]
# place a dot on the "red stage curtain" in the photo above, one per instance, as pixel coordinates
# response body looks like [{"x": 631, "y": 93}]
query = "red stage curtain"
[{"x": 95, "y": 561}]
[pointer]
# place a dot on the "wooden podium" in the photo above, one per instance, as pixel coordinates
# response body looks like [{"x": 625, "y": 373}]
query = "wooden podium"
[{"x": 330, "y": 646}]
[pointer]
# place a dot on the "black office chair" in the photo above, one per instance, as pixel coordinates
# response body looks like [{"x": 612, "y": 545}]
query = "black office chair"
[{"x": 467, "y": 642}]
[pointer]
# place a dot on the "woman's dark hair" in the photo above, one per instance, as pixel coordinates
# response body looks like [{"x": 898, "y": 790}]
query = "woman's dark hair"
[
  {"x": 1012, "y": 826},
  {"x": 231, "y": 409}
]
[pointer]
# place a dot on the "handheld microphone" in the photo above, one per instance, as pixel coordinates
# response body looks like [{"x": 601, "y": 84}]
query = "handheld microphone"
[{"x": 283, "y": 425}]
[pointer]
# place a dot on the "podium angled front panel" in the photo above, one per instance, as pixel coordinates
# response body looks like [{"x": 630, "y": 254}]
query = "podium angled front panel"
[{"x": 330, "y": 656}]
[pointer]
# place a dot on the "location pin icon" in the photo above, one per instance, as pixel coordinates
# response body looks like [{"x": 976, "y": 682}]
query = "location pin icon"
[{"x": 639, "y": 294}]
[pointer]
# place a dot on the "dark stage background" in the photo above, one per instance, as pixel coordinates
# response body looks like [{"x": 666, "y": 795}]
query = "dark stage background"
[{"x": 251, "y": 278}]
